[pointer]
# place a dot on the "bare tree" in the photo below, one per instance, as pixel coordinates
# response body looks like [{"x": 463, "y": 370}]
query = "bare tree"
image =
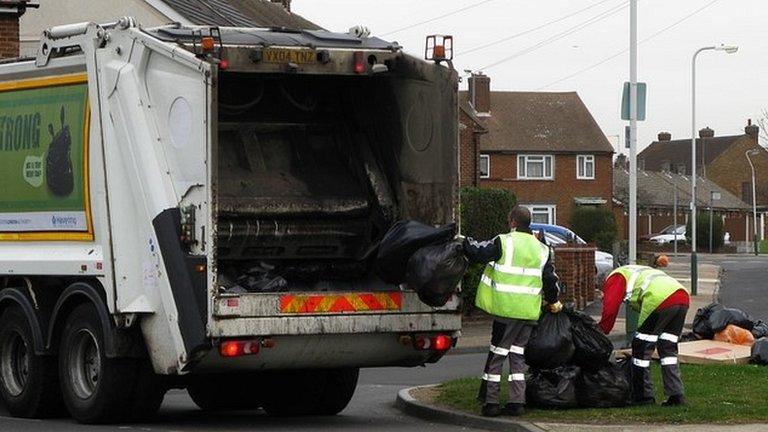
[{"x": 762, "y": 121}]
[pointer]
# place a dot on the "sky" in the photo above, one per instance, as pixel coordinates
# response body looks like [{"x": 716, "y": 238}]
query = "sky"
[{"x": 565, "y": 45}]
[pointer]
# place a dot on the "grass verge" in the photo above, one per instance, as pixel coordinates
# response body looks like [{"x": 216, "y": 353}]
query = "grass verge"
[{"x": 716, "y": 394}]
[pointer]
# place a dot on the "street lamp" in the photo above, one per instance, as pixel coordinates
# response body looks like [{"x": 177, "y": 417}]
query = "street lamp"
[
  {"x": 730, "y": 49},
  {"x": 754, "y": 201}
]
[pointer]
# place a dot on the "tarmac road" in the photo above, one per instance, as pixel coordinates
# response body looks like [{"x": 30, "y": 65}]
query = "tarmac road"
[
  {"x": 744, "y": 284},
  {"x": 372, "y": 407}
]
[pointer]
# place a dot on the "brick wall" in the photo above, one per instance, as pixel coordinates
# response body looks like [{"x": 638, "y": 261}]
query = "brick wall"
[
  {"x": 560, "y": 191},
  {"x": 9, "y": 35},
  {"x": 731, "y": 169},
  {"x": 575, "y": 266}
]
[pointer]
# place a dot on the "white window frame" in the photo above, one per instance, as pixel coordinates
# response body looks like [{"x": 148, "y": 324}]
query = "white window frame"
[
  {"x": 581, "y": 167},
  {"x": 524, "y": 159},
  {"x": 487, "y": 158},
  {"x": 550, "y": 209}
]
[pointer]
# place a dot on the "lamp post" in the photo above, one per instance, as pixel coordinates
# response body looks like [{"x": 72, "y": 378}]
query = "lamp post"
[
  {"x": 754, "y": 201},
  {"x": 730, "y": 49}
]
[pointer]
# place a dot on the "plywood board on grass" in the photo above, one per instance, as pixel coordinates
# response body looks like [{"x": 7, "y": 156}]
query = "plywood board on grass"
[{"x": 706, "y": 352}]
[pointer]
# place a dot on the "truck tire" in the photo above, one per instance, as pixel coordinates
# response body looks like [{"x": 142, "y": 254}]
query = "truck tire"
[
  {"x": 149, "y": 392},
  {"x": 96, "y": 389},
  {"x": 29, "y": 383},
  {"x": 225, "y": 392},
  {"x": 310, "y": 392}
]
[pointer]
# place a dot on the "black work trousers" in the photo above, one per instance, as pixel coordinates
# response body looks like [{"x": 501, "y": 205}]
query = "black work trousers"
[{"x": 661, "y": 330}]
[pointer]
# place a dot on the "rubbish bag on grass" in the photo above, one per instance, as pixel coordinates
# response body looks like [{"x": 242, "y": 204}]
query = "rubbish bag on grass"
[
  {"x": 735, "y": 335},
  {"x": 401, "y": 242},
  {"x": 551, "y": 344},
  {"x": 720, "y": 319},
  {"x": 553, "y": 388},
  {"x": 603, "y": 388},
  {"x": 760, "y": 352},
  {"x": 760, "y": 329},
  {"x": 701, "y": 325},
  {"x": 592, "y": 348},
  {"x": 435, "y": 271}
]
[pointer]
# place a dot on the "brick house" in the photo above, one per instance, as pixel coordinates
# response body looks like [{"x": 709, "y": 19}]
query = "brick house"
[
  {"x": 544, "y": 147},
  {"x": 721, "y": 159},
  {"x": 10, "y": 11}
]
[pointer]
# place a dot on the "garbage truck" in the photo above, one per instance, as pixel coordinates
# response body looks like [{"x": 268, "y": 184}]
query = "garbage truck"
[{"x": 199, "y": 207}]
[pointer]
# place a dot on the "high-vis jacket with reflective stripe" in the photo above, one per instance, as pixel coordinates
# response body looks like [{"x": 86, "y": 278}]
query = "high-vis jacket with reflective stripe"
[
  {"x": 647, "y": 288},
  {"x": 511, "y": 287}
]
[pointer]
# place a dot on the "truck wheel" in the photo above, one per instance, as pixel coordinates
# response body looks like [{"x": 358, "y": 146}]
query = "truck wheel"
[
  {"x": 96, "y": 389},
  {"x": 311, "y": 392},
  {"x": 29, "y": 383},
  {"x": 225, "y": 392},
  {"x": 149, "y": 392}
]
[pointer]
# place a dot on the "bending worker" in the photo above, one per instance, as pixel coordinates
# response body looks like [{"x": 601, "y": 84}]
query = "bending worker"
[
  {"x": 519, "y": 269},
  {"x": 662, "y": 302}
]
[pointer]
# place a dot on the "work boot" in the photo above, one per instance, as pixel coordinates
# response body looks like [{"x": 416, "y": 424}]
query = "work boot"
[
  {"x": 491, "y": 410},
  {"x": 676, "y": 400},
  {"x": 644, "y": 401},
  {"x": 514, "y": 409}
]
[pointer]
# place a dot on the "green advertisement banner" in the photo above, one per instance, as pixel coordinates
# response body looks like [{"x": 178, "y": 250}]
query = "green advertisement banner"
[{"x": 42, "y": 158}]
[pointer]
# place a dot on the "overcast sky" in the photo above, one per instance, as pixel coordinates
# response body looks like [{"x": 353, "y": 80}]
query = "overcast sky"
[{"x": 731, "y": 88}]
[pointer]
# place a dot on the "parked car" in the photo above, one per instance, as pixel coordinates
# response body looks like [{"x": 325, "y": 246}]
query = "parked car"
[
  {"x": 669, "y": 234},
  {"x": 556, "y": 234}
]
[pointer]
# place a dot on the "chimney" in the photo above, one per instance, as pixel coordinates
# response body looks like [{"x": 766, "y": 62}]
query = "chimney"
[
  {"x": 286, "y": 4},
  {"x": 480, "y": 93},
  {"x": 665, "y": 136},
  {"x": 752, "y": 130},
  {"x": 706, "y": 133},
  {"x": 10, "y": 11}
]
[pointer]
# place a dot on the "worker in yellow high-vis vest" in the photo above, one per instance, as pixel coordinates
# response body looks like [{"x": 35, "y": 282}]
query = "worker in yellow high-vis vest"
[
  {"x": 663, "y": 303},
  {"x": 519, "y": 271}
]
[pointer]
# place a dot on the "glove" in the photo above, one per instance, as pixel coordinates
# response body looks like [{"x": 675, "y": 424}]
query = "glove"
[{"x": 555, "y": 307}]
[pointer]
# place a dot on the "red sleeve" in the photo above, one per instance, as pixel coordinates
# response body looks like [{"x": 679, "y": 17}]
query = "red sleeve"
[{"x": 614, "y": 290}]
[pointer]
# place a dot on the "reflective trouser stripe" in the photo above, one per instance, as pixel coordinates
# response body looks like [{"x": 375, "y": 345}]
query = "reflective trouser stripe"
[
  {"x": 668, "y": 337},
  {"x": 517, "y": 349},
  {"x": 647, "y": 337},
  {"x": 641, "y": 363},
  {"x": 499, "y": 351},
  {"x": 516, "y": 377},
  {"x": 492, "y": 377},
  {"x": 666, "y": 361}
]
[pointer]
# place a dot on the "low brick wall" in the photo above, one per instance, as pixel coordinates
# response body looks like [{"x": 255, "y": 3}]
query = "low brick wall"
[{"x": 575, "y": 266}]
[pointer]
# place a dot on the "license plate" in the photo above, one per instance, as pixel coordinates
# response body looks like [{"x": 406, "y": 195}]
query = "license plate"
[{"x": 276, "y": 55}]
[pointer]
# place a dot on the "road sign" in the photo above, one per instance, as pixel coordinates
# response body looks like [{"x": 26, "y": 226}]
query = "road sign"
[{"x": 641, "y": 93}]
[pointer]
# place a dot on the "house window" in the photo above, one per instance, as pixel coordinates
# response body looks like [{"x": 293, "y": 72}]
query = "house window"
[
  {"x": 585, "y": 167},
  {"x": 534, "y": 167},
  {"x": 545, "y": 214},
  {"x": 485, "y": 165}
]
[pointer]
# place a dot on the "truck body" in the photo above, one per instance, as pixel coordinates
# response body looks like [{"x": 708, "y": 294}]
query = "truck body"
[{"x": 214, "y": 198}]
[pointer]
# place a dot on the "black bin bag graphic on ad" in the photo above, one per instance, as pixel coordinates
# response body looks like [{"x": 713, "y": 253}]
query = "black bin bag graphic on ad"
[{"x": 58, "y": 163}]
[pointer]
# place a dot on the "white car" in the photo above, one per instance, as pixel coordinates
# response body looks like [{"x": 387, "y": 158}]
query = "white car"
[{"x": 669, "y": 236}]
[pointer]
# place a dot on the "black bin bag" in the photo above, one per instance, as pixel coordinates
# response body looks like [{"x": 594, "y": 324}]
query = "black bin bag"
[
  {"x": 760, "y": 329},
  {"x": 760, "y": 352},
  {"x": 701, "y": 325},
  {"x": 592, "y": 348},
  {"x": 721, "y": 318},
  {"x": 401, "y": 242},
  {"x": 551, "y": 344},
  {"x": 553, "y": 388},
  {"x": 603, "y": 388},
  {"x": 435, "y": 271}
]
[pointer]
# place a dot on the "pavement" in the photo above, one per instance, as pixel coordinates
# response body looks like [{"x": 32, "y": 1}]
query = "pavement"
[{"x": 476, "y": 330}]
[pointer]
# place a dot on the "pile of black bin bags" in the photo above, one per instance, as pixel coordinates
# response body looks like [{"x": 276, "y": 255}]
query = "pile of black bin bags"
[
  {"x": 715, "y": 317},
  {"x": 570, "y": 365},
  {"x": 425, "y": 258}
]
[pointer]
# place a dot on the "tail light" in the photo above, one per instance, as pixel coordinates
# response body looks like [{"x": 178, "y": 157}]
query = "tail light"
[
  {"x": 440, "y": 342},
  {"x": 359, "y": 58},
  {"x": 237, "y": 348}
]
